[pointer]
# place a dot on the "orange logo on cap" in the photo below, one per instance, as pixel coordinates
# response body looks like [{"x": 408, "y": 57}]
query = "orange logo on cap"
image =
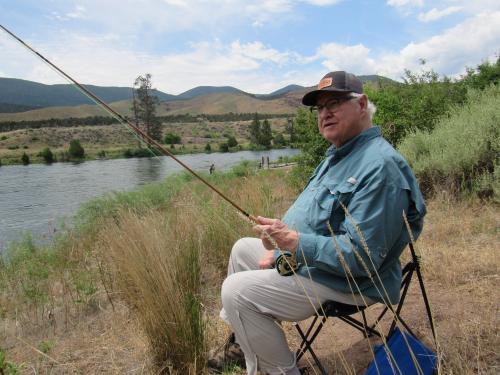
[{"x": 325, "y": 82}]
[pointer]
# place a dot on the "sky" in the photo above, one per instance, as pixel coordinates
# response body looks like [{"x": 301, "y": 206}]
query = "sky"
[{"x": 257, "y": 45}]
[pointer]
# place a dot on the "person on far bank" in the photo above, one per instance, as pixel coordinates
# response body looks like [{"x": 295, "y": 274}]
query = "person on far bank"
[{"x": 350, "y": 214}]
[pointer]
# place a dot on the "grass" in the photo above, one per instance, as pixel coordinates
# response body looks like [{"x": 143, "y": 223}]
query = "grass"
[
  {"x": 135, "y": 288},
  {"x": 462, "y": 153}
]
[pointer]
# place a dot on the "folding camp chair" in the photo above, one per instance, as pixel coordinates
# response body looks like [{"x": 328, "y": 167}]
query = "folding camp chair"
[{"x": 333, "y": 309}]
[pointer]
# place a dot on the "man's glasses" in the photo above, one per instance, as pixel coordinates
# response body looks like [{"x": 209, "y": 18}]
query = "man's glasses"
[{"x": 331, "y": 105}]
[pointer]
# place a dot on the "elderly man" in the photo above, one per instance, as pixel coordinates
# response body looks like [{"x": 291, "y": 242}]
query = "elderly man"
[{"x": 346, "y": 230}]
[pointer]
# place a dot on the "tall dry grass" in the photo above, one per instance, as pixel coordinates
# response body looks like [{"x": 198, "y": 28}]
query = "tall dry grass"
[
  {"x": 168, "y": 264},
  {"x": 460, "y": 250}
]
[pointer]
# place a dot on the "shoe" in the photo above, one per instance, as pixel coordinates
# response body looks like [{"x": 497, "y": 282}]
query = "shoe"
[{"x": 227, "y": 356}]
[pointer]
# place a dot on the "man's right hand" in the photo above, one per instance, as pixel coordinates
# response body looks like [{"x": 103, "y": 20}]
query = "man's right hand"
[{"x": 267, "y": 261}]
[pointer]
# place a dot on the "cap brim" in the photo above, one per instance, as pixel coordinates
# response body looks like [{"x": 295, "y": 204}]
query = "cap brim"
[{"x": 311, "y": 97}]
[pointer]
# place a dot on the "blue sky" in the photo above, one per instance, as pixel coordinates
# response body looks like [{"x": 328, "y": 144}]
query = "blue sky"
[{"x": 258, "y": 46}]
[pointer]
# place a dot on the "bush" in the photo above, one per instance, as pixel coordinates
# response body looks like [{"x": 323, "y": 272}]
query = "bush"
[
  {"x": 208, "y": 148},
  {"x": 462, "y": 152},
  {"x": 76, "y": 150},
  {"x": 223, "y": 147},
  {"x": 25, "y": 159},
  {"x": 47, "y": 155},
  {"x": 416, "y": 104},
  {"x": 279, "y": 140},
  {"x": 138, "y": 153},
  {"x": 171, "y": 139},
  {"x": 231, "y": 141},
  {"x": 310, "y": 141}
]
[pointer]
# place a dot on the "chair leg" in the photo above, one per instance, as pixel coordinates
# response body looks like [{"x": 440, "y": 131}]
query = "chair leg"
[{"x": 306, "y": 344}]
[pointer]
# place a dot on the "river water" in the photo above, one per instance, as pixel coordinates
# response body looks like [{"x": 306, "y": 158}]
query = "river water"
[{"x": 40, "y": 198}]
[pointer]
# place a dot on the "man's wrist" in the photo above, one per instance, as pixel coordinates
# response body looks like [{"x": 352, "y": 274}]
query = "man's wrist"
[{"x": 292, "y": 241}]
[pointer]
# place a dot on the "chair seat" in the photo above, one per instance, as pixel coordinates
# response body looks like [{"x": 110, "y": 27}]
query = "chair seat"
[{"x": 334, "y": 308}]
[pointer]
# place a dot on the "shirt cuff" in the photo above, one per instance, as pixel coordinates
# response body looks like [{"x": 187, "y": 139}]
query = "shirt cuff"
[{"x": 306, "y": 251}]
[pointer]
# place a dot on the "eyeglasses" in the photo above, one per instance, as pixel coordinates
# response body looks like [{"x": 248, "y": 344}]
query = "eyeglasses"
[{"x": 332, "y": 105}]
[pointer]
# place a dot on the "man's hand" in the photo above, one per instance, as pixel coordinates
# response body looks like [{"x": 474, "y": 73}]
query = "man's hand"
[
  {"x": 267, "y": 261},
  {"x": 274, "y": 233}
]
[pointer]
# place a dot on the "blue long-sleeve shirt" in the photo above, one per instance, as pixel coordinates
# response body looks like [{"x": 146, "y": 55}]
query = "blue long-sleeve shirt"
[{"x": 354, "y": 204}]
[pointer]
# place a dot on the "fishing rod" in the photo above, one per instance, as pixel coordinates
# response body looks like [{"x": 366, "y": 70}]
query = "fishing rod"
[
  {"x": 150, "y": 141},
  {"x": 286, "y": 263}
]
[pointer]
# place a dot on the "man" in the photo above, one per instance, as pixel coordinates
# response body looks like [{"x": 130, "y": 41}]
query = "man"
[{"x": 346, "y": 230}]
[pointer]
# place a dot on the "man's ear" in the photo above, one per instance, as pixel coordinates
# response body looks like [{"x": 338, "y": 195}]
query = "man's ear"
[{"x": 363, "y": 103}]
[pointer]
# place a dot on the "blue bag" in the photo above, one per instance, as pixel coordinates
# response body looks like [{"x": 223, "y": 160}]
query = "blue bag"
[{"x": 400, "y": 362}]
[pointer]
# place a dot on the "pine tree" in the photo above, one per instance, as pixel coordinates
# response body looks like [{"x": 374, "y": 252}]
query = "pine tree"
[
  {"x": 255, "y": 130},
  {"x": 144, "y": 107},
  {"x": 266, "y": 136}
]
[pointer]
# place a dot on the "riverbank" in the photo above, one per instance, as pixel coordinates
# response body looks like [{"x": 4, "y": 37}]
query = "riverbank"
[
  {"x": 117, "y": 141},
  {"x": 91, "y": 302}
]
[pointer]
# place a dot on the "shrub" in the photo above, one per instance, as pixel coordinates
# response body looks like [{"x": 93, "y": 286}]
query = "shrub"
[
  {"x": 171, "y": 139},
  {"x": 25, "y": 159},
  {"x": 223, "y": 147},
  {"x": 208, "y": 148},
  {"x": 232, "y": 142},
  {"x": 279, "y": 140},
  {"x": 47, "y": 155},
  {"x": 463, "y": 148},
  {"x": 76, "y": 150}
]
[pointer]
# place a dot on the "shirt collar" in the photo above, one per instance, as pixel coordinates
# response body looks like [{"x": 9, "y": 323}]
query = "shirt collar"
[{"x": 357, "y": 141}]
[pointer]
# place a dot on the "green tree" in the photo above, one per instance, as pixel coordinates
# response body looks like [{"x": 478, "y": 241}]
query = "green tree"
[
  {"x": 208, "y": 148},
  {"x": 25, "y": 159},
  {"x": 76, "y": 150},
  {"x": 255, "y": 130},
  {"x": 309, "y": 140},
  {"x": 144, "y": 107},
  {"x": 231, "y": 141},
  {"x": 223, "y": 147},
  {"x": 289, "y": 127},
  {"x": 266, "y": 135},
  {"x": 279, "y": 140},
  {"x": 47, "y": 155},
  {"x": 172, "y": 139},
  {"x": 484, "y": 75}
]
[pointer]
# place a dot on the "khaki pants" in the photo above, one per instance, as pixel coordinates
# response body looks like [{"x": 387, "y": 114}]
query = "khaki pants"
[{"x": 255, "y": 300}]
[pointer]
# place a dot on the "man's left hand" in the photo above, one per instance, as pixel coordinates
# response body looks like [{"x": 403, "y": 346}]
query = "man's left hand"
[{"x": 274, "y": 232}]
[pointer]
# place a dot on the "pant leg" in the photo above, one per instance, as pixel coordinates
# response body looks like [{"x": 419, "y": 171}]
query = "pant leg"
[{"x": 254, "y": 300}]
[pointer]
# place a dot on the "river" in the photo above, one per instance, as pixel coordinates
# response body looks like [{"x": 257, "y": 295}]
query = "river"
[{"x": 41, "y": 198}]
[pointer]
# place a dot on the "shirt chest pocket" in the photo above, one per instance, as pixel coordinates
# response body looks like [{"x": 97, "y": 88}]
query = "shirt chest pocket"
[{"x": 327, "y": 208}]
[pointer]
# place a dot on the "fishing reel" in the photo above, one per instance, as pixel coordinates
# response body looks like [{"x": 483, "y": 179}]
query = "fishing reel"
[{"x": 286, "y": 263}]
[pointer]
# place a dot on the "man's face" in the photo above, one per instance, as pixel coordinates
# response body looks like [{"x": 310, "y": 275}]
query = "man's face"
[{"x": 340, "y": 118}]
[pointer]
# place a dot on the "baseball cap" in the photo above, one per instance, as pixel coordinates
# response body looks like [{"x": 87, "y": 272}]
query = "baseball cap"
[{"x": 337, "y": 82}]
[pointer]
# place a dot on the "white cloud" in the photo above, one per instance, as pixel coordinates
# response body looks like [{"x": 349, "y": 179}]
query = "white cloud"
[
  {"x": 434, "y": 14},
  {"x": 336, "y": 56},
  {"x": 404, "y": 3},
  {"x": 79, "y": 12},
  {"x": 322, "y": 3},
  {"x": 258, "y": 51},
  {"x": 447, "y": 53}
]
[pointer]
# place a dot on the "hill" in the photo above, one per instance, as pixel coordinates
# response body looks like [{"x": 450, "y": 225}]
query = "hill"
[
  {"x": 205, "y": 90},
  {"x": 211, "y": 104},
  {"x": 26, "y": 100},
  {"x": 33, "y": 94}
]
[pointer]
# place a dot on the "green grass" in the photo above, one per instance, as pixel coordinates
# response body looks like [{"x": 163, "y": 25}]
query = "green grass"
[{"x": 462, "y": 153}]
